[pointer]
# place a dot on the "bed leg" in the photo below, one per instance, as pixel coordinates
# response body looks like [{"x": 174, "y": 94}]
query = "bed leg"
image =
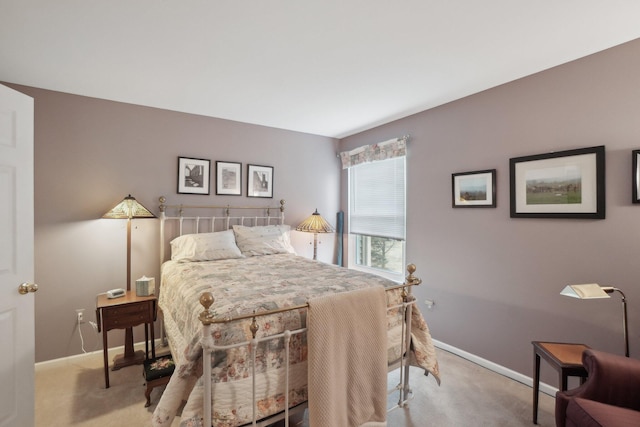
[
  {"x": 254, "y": 348},
  {"x": 408, "y": 300},
  {"x": 406, "y": 390},
  {"x": 206, "y": 373},
  {"x": 287, "y": 340},
  {"x": 206, "y": 300}
]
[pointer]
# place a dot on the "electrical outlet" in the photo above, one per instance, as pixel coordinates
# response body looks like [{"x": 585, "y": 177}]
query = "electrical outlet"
[{"x": 80, "y": 315}]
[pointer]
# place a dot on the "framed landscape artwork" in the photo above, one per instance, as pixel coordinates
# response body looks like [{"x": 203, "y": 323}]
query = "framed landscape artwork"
[
  {"x": 228, "y": 178},
  {"x": 474, "y": 189},
  {"x": 259, "y": 181},
  {"x": 194, "y": 175},
  {"x": 636, "y": 176},
  {"x": 563, "y": 184}
]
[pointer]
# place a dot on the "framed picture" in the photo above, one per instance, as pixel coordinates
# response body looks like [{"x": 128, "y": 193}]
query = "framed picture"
[
  {"x": 229, "y": 178},
  {"x": 563, "y": 184},
  {"x": 193, "y": 175},
  {"x": 474, "y": 189},
  {"x": 636, "y": 176},
  {"x": 259, "y": 181}
]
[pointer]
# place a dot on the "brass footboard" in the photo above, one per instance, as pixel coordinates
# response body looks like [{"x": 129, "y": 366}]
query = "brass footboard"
[{"x": 208, "y": 318}]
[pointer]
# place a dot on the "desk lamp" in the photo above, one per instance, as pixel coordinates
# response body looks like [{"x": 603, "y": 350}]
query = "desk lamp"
[{"x": 595, "y": 291}]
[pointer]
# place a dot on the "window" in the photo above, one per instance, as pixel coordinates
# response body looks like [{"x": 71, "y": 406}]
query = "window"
[{"x": 377, "y": 217}]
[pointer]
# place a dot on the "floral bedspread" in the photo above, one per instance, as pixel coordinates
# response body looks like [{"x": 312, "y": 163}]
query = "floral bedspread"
[{"x": 241, "y": 286}]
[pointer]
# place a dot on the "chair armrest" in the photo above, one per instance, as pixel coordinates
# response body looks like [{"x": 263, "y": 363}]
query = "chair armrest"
[{"x": 613, "y": 379}]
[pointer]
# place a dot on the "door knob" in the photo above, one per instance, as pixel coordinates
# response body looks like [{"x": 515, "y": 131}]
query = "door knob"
[{"x": 25, "y": 288}]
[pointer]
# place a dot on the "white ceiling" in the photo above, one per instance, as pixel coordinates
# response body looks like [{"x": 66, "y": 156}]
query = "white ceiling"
[{"x": 326, "y": 67}]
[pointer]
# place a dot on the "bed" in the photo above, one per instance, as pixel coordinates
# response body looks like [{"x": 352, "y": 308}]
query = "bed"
[{"x": 235, "y": 293}]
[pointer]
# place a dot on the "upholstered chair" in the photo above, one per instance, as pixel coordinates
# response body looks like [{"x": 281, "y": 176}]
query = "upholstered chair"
[{"x": 609, "y": 397}]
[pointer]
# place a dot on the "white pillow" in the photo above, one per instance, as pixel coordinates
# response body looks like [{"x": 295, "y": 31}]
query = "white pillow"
[
  {"x": 205, "y": 247},
  {"x": 263, "y": 240}
]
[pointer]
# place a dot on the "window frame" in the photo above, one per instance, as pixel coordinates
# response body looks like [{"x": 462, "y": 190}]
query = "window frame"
[
  {"x": 352, "y": 238},
  {"x": 353, "y": 265}
]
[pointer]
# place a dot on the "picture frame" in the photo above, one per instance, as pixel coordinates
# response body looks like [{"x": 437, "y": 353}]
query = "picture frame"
[
  {"x": 228, "y": 178},
  {"x": 259, "y": 181},
  {"x": 194, "y": 175},
  {"x": 563, "y": 184},
  {"x": 635, "y": 154},
  {"x": 476, "y": 189}
]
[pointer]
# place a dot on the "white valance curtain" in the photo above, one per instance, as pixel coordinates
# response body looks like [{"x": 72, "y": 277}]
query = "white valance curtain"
[
  {"x": 377, "y": 189},
  {"x": 395, "y": 147}
]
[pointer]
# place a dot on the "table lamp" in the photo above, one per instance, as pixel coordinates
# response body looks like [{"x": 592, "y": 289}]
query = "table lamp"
[
  {"x": 595, "y": 291},
  {"x": 129, "y": 208},
  {"x": 315, "y": 224}
]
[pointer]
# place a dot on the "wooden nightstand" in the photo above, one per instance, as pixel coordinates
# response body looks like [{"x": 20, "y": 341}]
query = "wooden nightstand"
[{"x": 125, "y": 313}]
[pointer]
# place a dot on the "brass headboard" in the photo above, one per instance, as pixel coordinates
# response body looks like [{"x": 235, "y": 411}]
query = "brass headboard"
[{"x": 176, "y": 220}]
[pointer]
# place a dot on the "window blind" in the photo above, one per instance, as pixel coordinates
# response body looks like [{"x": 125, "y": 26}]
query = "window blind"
[{"x": 377, "y": 198}]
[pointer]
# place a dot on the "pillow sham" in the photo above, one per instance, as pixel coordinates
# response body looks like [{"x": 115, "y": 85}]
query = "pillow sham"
[
  {"x": 263, "y": 240},
  {"x": 205, "y": 247}
]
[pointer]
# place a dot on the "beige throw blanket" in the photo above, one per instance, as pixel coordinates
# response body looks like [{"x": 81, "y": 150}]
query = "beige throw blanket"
[{"x": 347, "y": 362}]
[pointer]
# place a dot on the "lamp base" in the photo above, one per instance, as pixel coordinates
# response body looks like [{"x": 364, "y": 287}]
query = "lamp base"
[
  {"x": 130, "y": 357},
  {"x": 120, "y": 361}
]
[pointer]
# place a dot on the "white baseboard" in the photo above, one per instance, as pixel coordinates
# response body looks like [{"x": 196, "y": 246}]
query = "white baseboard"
[
  {"x": 76, "y": 357},
  {"x": 516, "y": 376}
]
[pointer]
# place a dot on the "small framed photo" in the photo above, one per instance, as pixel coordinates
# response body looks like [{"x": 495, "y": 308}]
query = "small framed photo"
[
  {"x": 636, "y": 176},
  {"x": 228, "y": 178},
  {"x": 194, "y": 175},
  {"x": 259, "y": 181},
  {"x": 563, "y": 184},
  {"x": 475, "y": 189}
]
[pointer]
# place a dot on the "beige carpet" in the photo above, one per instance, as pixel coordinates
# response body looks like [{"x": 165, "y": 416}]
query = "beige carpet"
[{"x": 72, "y": 393}]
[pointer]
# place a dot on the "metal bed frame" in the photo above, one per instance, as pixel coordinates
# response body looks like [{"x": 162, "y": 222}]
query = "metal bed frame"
[{"x": 207, "y": 299}]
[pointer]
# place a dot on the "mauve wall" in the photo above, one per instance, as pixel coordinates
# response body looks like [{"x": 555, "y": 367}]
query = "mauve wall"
[
  {"x": 496, "y": 280},
  {"x": 89, "y": 153}
]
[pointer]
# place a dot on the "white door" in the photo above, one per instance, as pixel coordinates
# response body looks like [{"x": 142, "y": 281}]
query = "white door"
[{"x": 16, "y": 259}]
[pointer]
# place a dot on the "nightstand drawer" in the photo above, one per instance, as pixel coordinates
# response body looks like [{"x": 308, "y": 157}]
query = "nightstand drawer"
[
  {"x": 129, "y": 320},
  {"x": 123, "y": 316},
  {"x": 126, "y": 309}
]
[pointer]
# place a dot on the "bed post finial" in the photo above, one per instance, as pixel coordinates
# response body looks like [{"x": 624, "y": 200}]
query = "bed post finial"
[
  {"x": 411, "y": 279},
  {"x": 163, "y": 200},
  {"x": 281, "y": 205},
  {"x": 206, "y": 300},
  {"x": 254, "y": 326}
]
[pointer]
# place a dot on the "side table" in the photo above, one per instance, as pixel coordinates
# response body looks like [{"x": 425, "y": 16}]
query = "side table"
[
  {"x": 566, "y": 358},
  {"x": 125, "y": 313}
]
